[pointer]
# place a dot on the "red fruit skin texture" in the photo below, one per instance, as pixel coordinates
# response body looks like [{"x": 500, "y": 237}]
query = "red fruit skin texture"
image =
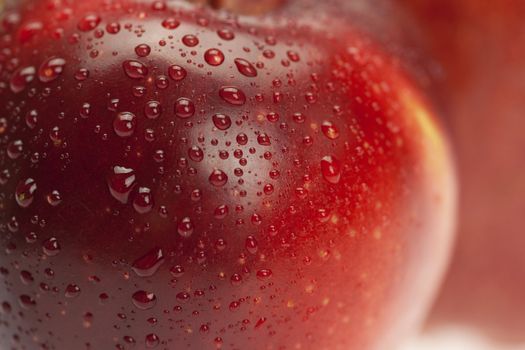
[{"x": 173, "y": 197}]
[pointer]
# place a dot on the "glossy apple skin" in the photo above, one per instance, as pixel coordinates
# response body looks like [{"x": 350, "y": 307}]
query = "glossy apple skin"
[
  {"x": 484, "y": 108},
  {"x": 339, "y": 209}
]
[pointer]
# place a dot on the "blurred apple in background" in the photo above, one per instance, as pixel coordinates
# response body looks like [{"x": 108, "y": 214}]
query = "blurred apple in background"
[{"x": 481, "y": 47}]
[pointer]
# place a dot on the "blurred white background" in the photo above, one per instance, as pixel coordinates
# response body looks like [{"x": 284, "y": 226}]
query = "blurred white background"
[{"x": 456, "y": 339}]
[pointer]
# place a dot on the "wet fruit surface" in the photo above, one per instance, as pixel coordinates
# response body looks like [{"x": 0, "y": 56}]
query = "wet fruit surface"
[{"x": 176, "y": 178}]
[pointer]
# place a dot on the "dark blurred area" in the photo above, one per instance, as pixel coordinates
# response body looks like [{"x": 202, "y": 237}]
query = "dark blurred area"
[{"x": 480, "y": 46}]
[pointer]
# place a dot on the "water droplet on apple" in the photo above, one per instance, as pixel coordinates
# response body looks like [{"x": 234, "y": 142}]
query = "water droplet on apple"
[
  {"x": 25, "y": 191},
  {"x": 31, "y": 118},
  {"x": 144, "y": 300},
  {"x": 81, "y": 74},
  {"x": 121, "y": 182},
  {"x": 184, "y": 108},
  {"x": 72, "y": 291},
  {"x": 226, "y": 34},
  {"x": 153, "y": 109},
  {"x": 177, "y": 271},
  {"x": 51, "y": 247},
  {"x": 222, "y": 121},
  {"x": 263, "y": 139},
  {"x": 152, "y": 340},
  {"x": 143, "y": 50},
  {"x": 331, "y": 169},
  {"x": 251, "y": 244},
  {"x": 183, "y": 297},
  {"x": 221, "y": 211},
  {"x": 185, "y": 227},
  {"x": 21, "y": 78},
  {"x": 299, "y": 118},
  {"x": 135, "y": 69},
  {"x": 218, "y": 178},
  {"x": 232, "y": 95},
  {"x": 162, "y": 82},
  {"x": 51, "y": 69},
  {"x": 26, "y": 277},
  {"x": 214, "y": 57},
  {"x": 113, "y": 28},
  {"x": 170, "y": 23},
  {"x": 245, "y": 68},
  {"x": 27, "y": 302},
  {"x": 293, "y": 56},
  {"x": 124, "y": 124},
  {"x": 190, "y": 40},
  {"x": 177, "y": 73},
  {"x": 143, "y": 201},
  {"x": 260, "y": 322},
  {"x": 196, "y": 154},
  {"x": 89, "y": 22},
  {"x": 54, "y": 198},
  {"x": 330, "y": 130},
  {"x": 29, "y": 30},
  {"x": 148, "y": 264}
]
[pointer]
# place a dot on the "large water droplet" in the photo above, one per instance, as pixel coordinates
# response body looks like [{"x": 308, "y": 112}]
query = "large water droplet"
[
  {"x": 196, "y": 154},
  {"x": 21, "y": 78},
  {"x": 331, "y": 169},
  {"x": 113, "y": 27},
  {"x": 27, "y": 302},
  {"x": 51, "y": 69},
  {"x": 124, "y": 124},
  {"x": 245, "y": 68},
  {"x": 226, "y": 34},
  {"x": 26, "y": 277},
  {"x": 232, "y": 95},
  {"x": 263, "y": 139},
  {"x": 29, "y": 30},
  {"x": 135, "y": 69},
  {"x": 184, "y": 108},
  {"x": 144, "y": 300},
  {"x": 82, "y": 74},
  {"x": 185, "y": 227},
  {"x": 148, "y": 264},
  {"x": 170, "y": 23},
  {"x": 183, "y": 297},
  {"x": 177, "y": 271},
  {"x": 72, "y": 291},
  {"x": 251, "y": 244},
  {"x": 54, "y": 198},
  {"x": 222, "y": 121},
  {"x": 264, "y": 274},
  {"x": 214, "y": 57},
  {"x": 89, "y": 22},
  {"x": 190, "y": 40},
  {"x": 177, "y": 73},
  {"x": 330, "y": 130},
  {"x": 218, "y": 178},
  {"x": 242, "y": 139},
  {"x": 25, "y": 192},
  {"x": 121, "y": 182},
  {"x": 143, "y": 201},
  {"x": 153, "y": 109},
  {"x": 293, "y": 56},
  {"x": 51, "y": 247},
  {"x": 143, "y": 50},
  {"x": 221, "y": 211},
  {"x": 152, "y": 341}
]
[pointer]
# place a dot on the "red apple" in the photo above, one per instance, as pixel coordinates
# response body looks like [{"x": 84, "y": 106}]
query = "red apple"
[
  {"x": 177, "y": 177},
  {"x": 485, "y": 286}
]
